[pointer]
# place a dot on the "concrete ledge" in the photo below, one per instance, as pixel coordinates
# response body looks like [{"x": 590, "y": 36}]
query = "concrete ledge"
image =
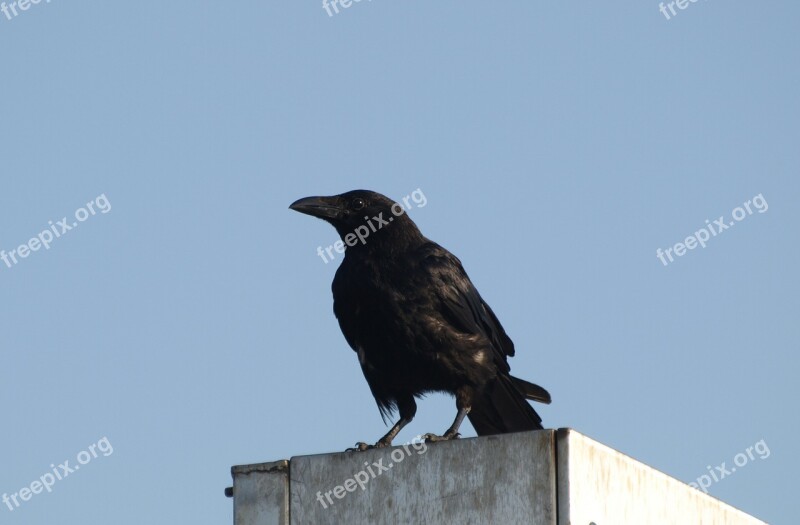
[{"x": 545, "y": 477}]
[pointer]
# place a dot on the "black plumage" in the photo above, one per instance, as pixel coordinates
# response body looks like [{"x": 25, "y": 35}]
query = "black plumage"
[{"x": 417, "y": 323}]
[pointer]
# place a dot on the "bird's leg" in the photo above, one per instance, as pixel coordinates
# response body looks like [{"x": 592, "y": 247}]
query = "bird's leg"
[
  {"x": 385, "y": 441},
  {"x": 464, "y": 405},
  {"x": 452, "y": 432},
  {"x": 407, "y": 409}
]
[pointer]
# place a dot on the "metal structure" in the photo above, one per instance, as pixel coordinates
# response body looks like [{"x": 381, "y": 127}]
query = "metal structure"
[{"x": 546, "y": 477}]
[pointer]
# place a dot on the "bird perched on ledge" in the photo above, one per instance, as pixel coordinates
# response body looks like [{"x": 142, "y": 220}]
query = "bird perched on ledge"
[{"x": 410, "y": 312}]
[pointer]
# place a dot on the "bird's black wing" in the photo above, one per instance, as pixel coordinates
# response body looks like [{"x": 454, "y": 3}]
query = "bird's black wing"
[
  {"x": 464, "y": 308},
  {"x": 460, "y": 302}
]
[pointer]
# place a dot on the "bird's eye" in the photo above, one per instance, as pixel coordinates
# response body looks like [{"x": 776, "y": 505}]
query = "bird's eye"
[{"x": 358, "y": 204}]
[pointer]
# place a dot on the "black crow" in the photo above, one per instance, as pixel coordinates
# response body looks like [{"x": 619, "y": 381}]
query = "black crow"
[{"x": 410, "y": 312}]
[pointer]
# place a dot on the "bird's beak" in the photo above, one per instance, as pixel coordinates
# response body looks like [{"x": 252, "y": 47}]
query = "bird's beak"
[{"x": 321, "y": 207}]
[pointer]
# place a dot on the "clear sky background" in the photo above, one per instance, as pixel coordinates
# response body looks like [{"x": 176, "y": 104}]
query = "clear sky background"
[{"x": 558, "y": 144}]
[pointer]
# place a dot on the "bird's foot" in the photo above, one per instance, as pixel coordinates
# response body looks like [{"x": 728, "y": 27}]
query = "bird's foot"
[
  {"x": 433, "y": 438},
  {"x": 361, "y": 446}
]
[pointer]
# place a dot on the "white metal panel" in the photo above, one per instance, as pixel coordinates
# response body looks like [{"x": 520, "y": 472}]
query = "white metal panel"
[
  {"x": 261, "y": 494},
  {"x": 536, "y": 478},
  {"x": 506, "y": 479},
  {"x": 597, "y": 484}
]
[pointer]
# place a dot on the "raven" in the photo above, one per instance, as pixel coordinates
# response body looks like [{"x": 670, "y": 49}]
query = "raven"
[{"x": 410, "y": 312}]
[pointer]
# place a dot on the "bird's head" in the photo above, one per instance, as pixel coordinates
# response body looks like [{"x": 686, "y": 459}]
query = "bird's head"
[{"x": 361, "y": 217}]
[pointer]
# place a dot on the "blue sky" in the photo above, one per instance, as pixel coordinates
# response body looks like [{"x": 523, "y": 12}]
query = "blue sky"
[{"x": 558, "y": 146}]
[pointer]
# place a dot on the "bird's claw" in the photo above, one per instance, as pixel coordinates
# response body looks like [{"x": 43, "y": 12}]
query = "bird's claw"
[
  {"x": 433, "y": 438},
  {"x": 361, "y": 446}
]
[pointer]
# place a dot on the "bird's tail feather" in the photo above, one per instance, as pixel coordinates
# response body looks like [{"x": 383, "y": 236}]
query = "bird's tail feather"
[
  {"x": 531, "y": 391},
  {"x": 502, "y": 407}
]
